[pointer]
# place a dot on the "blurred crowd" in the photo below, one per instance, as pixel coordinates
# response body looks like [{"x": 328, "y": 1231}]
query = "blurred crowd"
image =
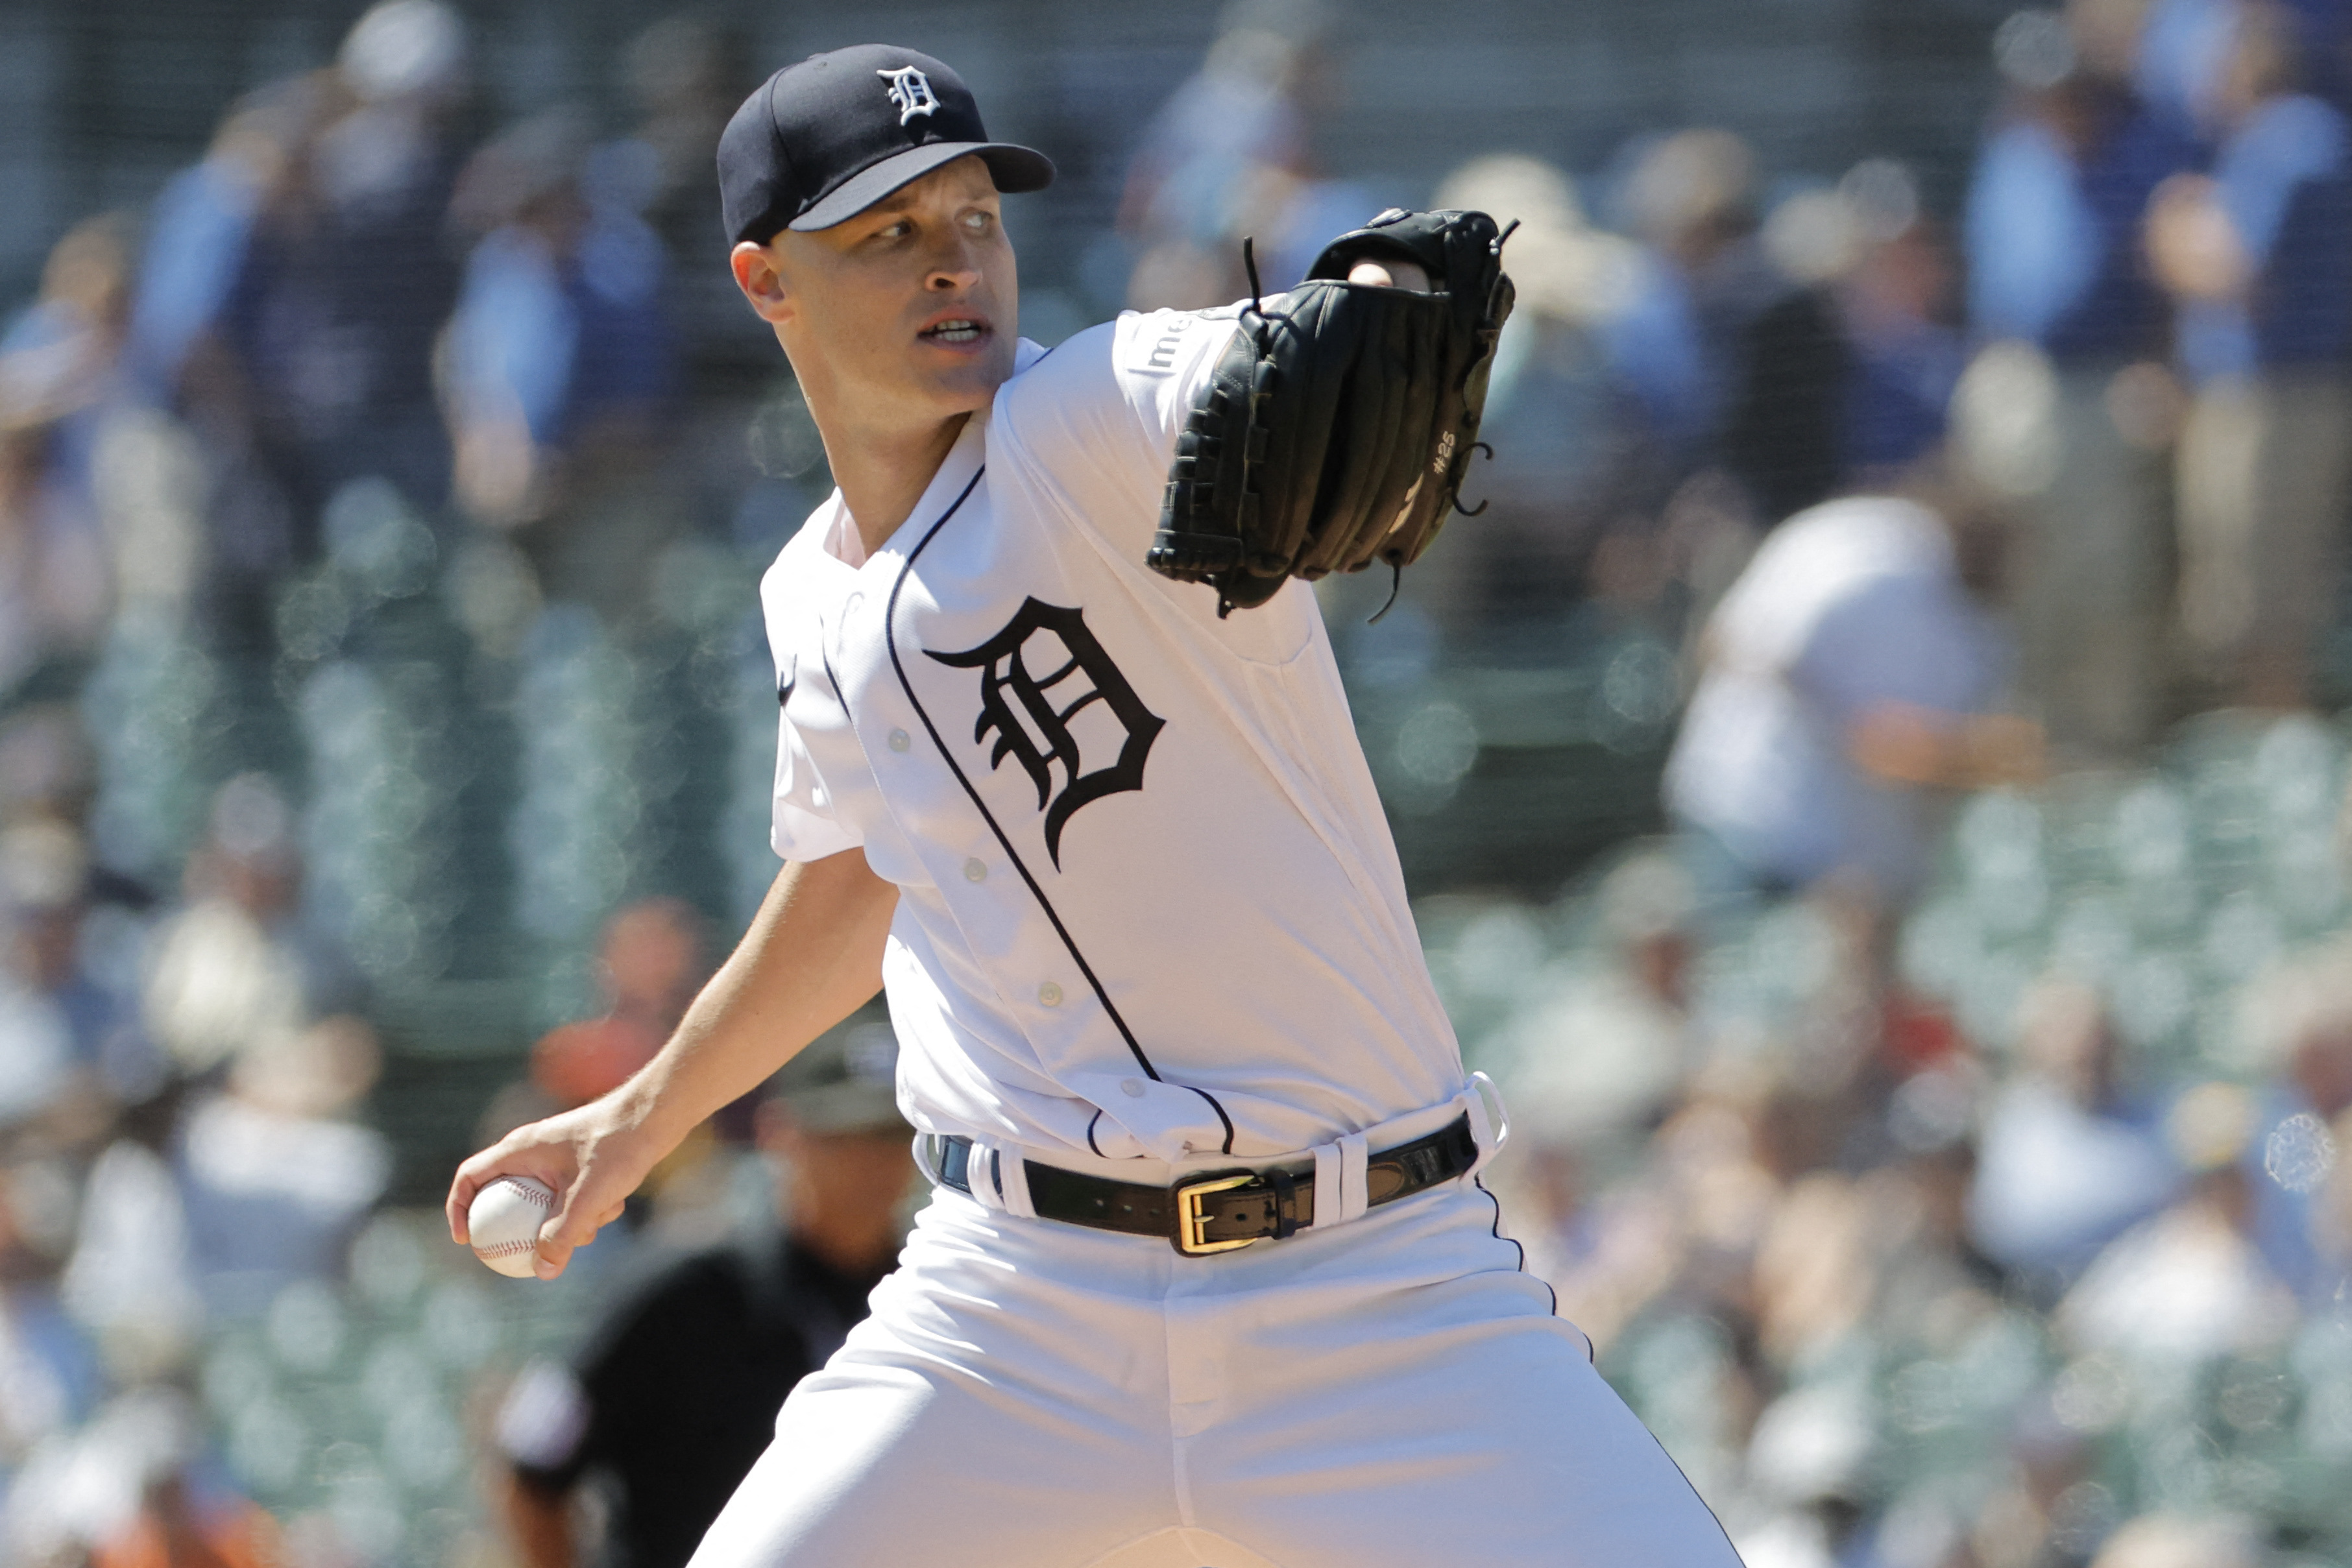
[
  {"x": 2129, "y": 340},
  {"x": 1935, "y": 1131},
  {"x": 2012, "y": 1235}
]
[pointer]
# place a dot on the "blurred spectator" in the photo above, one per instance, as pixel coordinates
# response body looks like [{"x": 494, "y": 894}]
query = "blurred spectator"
[
  {"x": 1895, "y": 298},
  {"x": 561, "y": 370},
  {"x": 1746, "y": 367},
  {"x": 40, "y": 1058},
  {"x": 50, "y": 1378},
  {"x": 207, "y": 224},
  {"x": 1846, "y": 681},
  {"x": 130, "y": 1491},
  {"x": 224, "y": 509},
  {"x": 686, "y": 73},
  {"x": 2176, "y": 1541},
  {"x": 1232, "y": 155},
  {"x": 1578, "y": 467},
  {"x": 2289, "y": 1160},
  {"x": 2188, "y": 1285},
  {"x": 1599, "y": 1050},
  {"x": 47, "y": 768},
  {"x": 59, "y": 368},
  {"x": 2253, "y": 255},
  {"x": 2066, "y": 1162},
  {"x": 650, "y": 963},
  {"x": 2179, "y": 58},
  {"x": 674, "y": 1394},
  {"x": 239, "y": 966},
  {"x": 342, "y": 347},
  {"x": 130, "y": 1282},
  {"x": 45, "y": 886},
  {"x": 276, "y": 1175},
  {"x": 2059, "y": 281},
  {"x": 293, "y": 283}
]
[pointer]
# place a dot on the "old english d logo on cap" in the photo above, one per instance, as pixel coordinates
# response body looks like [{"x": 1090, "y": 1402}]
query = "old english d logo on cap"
[
  {"x": 910, "y": 89},
  {"x": 821, "y": 141}
]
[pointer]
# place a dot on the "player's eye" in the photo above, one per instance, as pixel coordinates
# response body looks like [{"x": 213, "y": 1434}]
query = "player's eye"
[{"x": 978, "y": 223}]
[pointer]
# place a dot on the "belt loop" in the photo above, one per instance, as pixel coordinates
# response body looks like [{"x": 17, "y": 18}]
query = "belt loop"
[
  {"x": 1328, "y": 1161},
  {"x": 1013, "y": 1183},
  {"x": 1490, "y": 1119},
  {"x": 980, "y": 1175},
  {"x": 1355, "y": 1195}
]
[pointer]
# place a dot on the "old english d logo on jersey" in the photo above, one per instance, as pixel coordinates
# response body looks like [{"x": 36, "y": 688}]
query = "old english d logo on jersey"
[{"x": 1032, "y": 714}]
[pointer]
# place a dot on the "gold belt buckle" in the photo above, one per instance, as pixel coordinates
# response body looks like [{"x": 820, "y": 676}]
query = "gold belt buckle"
[{"x": 1193, "y": 1225}]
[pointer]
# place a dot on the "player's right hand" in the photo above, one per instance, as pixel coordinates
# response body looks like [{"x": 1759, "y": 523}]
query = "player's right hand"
[{"x": 593, "y": 1157}]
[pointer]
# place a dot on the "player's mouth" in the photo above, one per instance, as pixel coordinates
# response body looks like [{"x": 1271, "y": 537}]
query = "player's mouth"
[{"x": 956, "y": 331}]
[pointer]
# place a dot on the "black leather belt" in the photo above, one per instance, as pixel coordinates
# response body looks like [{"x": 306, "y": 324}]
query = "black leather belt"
[{"x": 1216, "y": 1212}]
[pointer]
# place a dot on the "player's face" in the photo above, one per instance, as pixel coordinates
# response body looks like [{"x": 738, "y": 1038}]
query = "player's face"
[{"x": 909, "y": 309}]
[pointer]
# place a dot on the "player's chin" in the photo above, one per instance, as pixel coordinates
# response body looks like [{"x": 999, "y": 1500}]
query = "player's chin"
[{"x": 966, "y": 375}]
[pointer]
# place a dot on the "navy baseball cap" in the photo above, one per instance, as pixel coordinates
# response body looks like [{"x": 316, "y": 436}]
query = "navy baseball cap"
[{"x": 823, "y": 141}]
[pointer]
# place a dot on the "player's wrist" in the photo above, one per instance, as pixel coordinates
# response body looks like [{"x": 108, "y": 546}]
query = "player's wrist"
[{"x": 643, "y": 1116}]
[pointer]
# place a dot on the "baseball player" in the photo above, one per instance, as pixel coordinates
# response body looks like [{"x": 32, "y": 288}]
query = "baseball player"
[{"x": 1066, "y": 768}]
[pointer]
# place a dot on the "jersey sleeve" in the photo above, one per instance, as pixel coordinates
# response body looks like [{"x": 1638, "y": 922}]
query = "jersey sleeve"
[
  {"x": 803, "y": 823},
  {"x": 802, "y": 826},
  {"x": 1102, "y": 411}
]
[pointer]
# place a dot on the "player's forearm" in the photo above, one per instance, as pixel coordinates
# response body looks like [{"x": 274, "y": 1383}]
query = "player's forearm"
[{"x": 812, "y": 956}]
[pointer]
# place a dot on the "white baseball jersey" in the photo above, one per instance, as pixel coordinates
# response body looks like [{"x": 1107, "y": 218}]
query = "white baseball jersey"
[
  {"x": 1150, "y": 918},
  {"x": 1148, "y": 904}
]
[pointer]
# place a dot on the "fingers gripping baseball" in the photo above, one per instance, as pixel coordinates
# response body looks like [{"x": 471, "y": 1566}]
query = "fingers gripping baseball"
[
  {"x": 583, "y": 1167},
  {"x": 1390, "y": 275}
]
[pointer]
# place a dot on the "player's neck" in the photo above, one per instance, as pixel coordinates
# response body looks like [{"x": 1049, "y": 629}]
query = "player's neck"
[{"x": 884, "y": 471}]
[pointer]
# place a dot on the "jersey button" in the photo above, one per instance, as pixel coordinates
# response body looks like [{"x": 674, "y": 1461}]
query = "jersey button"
[
  {"x": 1049, "y": 993},
  {"x": 1131, "y": 1087},
  {"x": 974, "y": 870},
  {"x": 899, "y": 740}
]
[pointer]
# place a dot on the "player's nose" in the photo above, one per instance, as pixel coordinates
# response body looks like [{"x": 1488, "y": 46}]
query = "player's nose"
[
  {"x": 956, "y": 276},
  {"x": 956, "y": 267}
]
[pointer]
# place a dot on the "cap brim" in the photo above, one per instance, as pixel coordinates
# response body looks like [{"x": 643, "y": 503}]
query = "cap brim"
[{"x": 1015, "y": 169}]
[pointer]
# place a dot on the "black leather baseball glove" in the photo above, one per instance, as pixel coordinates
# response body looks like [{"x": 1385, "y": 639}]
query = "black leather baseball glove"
[{"x": 1336, "y": 429}]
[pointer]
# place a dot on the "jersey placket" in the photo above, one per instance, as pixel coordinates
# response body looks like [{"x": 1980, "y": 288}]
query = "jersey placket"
[{"x": 988, "y": 867}]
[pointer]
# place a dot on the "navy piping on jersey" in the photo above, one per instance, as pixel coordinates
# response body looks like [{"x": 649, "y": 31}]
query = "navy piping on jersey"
[
  {"x": 835, "y": 682},
  {"x": 890, "y": 639},
  {"x": 1090, "y": 1134},
  {"x": 1227, "y": 1147},
  {"x": 1496, "y": 1230},
  {"x": 1480, "y": 1182}
]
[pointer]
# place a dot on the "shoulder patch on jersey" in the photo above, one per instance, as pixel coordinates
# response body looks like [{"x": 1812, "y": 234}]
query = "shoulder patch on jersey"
[{"x": 1151, "y": 351}]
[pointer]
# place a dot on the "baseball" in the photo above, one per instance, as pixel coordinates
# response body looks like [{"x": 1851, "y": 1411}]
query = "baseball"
[{"x": 503, "y": 1223}]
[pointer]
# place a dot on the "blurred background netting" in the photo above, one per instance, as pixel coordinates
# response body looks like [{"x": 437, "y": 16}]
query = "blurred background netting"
[{"x": 1872, "y": 780}]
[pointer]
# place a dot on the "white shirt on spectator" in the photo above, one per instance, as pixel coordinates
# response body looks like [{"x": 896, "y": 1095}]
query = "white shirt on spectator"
[{"x": 1853, "y": 604}]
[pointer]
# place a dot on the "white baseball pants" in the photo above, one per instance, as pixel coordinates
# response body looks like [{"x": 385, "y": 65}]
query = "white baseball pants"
[{"x": 1389, "y": 1393}]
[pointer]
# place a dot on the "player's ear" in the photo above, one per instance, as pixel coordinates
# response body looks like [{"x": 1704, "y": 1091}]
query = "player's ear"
[{"x": 762, "y": 281}]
